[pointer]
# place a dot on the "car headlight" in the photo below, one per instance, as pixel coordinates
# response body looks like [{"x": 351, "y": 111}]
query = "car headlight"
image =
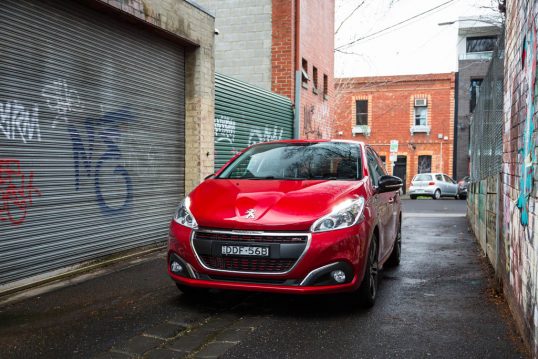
[
  {"x": 344, "y": 215},
  {"x": 184, "y": 216}
]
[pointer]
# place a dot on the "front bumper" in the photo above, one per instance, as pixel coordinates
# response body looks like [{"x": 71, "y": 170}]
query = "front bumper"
[{"x": 325, "y": 252}]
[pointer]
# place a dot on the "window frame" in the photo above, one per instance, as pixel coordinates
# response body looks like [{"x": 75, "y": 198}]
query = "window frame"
[
  {"x": 304, "y": 73},
  {"x": 425, "y": 108},
  {"x": 474, "y": 92},
  {"x": 362, "y": 114},
  {"x": 315, "y": 80},
  {"x": 469, "y": 47},
  {"x": 325, "y": 86},
  {"x": 418, "y": 163}
]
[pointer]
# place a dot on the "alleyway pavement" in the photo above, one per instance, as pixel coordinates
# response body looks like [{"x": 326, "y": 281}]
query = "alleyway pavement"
[{"x": 439, "y": 303}]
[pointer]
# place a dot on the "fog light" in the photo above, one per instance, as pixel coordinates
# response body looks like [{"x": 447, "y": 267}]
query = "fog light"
[
  {"x": 175, "y": 267},
  {"x": 339, "y": 276}
]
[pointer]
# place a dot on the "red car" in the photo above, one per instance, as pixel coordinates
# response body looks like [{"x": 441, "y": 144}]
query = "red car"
[{"x": 290, "y": 217}]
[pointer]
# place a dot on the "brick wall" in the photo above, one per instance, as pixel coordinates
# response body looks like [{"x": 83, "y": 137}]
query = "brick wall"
[
  {"x": 317, "y": 48},
  {"x": 391, "y": 115},
  {"x": 283, "y": 48},
  {"x": 519, "y": 172},
  {"x": 243, "y": 46},
  {"x": 188, "y": 22}
]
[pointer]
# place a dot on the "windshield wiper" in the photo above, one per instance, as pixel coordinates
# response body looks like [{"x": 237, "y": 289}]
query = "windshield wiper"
[{"x": 260, "y": 178}]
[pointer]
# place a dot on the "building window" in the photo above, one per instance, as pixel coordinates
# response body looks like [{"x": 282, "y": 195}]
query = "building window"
[
  {"x": 315, "y": 79},
  {"x": 325, "y": 86},
  {"x": 475, "y": 91},
  {"x": 361, "y": 112},
  {"x": 481, "y": 43},
  {"x": 384, "y": 160},
  {"x": 421, "y": 115},
  {"x": 304, "y": 78},
  {"x": 424, "y": 164}
]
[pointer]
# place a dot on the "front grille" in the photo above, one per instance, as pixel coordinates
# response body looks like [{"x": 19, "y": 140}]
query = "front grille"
[
  {"x": 285, "y": 250},
  {"x": 248, "y": 264},
  {"x": 241, "y": 237}
]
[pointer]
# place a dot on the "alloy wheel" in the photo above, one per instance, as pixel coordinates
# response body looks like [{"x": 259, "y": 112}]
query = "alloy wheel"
[{"x": 373, "y": 270}]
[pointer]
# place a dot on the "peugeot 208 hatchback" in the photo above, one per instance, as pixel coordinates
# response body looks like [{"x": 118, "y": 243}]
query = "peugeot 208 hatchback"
[{"x": 290, "y": 217}]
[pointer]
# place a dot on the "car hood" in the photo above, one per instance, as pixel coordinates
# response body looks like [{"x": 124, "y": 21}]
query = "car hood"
[{"x": 284, "y": 205}]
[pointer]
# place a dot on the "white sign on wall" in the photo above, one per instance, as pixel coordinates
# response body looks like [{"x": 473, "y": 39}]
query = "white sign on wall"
[{"x": 393, "y": 146}]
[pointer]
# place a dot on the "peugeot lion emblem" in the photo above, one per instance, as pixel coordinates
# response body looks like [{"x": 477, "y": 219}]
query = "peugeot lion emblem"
[{"x": 251, "y": 214}]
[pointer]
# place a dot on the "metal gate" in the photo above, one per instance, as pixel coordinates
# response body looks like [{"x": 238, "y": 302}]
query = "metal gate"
[
  {"x": 91, "y": 135},
  {"x": 246, "y": 114}
]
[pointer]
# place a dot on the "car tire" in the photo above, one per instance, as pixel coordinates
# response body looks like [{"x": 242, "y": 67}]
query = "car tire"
[
  {"x": 191, "y": 291},
  {"x": 395, "y": 255},
  {"x": 367, "y": 291},
  {"x": 413, "y": 197},
  {"x": 456, "y": 197},
  {"x": 462, "y": 197},
  {"x": 436, "y": 194}
]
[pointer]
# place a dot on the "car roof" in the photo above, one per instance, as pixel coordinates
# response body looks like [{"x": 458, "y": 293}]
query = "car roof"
[
  {"x": 313, "y": 141},
  {"x": 432, "y": 173}
]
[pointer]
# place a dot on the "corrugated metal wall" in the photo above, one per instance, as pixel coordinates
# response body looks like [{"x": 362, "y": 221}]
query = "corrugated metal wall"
[
  {"x": 91, "y": 135},
  {"x": 246, "y": 114}
]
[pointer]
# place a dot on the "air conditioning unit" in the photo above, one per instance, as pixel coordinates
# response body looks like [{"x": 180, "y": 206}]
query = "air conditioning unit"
[{"x": 421, "y": 102}]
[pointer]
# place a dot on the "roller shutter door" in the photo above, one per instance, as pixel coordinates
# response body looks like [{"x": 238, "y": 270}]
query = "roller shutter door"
[
  {"x": 246, "y": 114},
  {"x": 91, "y": 135}
]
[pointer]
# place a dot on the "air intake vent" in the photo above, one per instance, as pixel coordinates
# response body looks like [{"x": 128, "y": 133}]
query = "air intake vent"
[{"x": 421, "y": 102}]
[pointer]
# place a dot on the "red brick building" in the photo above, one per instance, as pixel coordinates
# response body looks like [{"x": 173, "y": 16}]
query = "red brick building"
[
  {"x": 415, "y": 110},
  {"x": 313, "y": 58}
]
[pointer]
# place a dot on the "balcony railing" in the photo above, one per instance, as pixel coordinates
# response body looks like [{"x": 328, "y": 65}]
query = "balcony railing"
[{"x": 485, "y": 55}]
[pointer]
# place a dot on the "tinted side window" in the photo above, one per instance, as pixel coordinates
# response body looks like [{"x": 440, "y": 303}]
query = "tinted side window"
[
  {"x": 375, "y": 169},
  {"x": 448, "y": 179},
  {"x": 382, "y": 171},
  {"x": 439, "y": 178}
]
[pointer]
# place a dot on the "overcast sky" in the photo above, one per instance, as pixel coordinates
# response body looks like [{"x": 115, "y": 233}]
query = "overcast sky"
[{"x": 418, "y": 46}]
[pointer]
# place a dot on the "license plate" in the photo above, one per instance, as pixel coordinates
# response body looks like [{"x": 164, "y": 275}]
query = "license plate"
[{"x": 245, "y": 251}]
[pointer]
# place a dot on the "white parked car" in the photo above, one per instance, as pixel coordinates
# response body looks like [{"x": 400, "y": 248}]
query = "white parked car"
[{"x": 435, "y": 185}]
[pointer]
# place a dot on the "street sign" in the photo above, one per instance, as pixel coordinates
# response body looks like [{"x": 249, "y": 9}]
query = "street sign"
[{"x": 393, "y": 146}]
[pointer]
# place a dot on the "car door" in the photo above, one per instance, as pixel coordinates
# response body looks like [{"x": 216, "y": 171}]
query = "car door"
[
  {"x": 440, "y": 182},
  {"x": 393, "y": 206},
  {"x": 451, "y": 185},
  {"x": 380, "y": 201}
]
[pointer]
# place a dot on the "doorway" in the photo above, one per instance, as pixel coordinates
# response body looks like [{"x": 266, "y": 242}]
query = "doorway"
[{"x": 400, "y": 170}]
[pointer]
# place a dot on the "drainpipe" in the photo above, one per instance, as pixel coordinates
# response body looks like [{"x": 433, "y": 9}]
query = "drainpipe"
[
  {"x": 456, "y": 129},
  {"x": 498, "y": 228},
  {"x": 298, "y": 74}
]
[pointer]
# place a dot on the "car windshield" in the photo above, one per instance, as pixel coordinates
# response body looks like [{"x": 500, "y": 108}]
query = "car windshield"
[
  {"x": 423, "y": 178},
  {"x": 298, "y": 161}
]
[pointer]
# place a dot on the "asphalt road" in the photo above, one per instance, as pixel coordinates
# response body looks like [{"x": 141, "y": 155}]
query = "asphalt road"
[{"x": 438, "y": 303}]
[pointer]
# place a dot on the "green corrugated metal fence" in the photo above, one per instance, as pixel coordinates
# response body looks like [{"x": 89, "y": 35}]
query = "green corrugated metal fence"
[{"x": 246, "y": 114}]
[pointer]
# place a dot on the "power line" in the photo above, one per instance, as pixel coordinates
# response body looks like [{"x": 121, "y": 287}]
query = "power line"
[{"x": 394, "y": 25}]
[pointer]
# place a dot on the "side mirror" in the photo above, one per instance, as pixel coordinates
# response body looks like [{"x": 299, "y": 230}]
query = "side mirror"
[{"x": 389, "y": 184}]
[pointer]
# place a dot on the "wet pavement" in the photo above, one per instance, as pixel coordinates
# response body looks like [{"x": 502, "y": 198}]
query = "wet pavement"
[{"x": 437, "y": 303}]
